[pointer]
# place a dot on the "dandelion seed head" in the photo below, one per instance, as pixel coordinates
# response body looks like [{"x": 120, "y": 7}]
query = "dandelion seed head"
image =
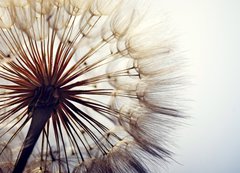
[{"x": 83, "y": 88}]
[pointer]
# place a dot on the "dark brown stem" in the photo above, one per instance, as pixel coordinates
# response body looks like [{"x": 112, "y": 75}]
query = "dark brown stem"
[{"x": 40, "y": 115}]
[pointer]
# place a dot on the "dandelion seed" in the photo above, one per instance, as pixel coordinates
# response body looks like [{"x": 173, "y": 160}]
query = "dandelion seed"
[{"x": 81, "y": 89}]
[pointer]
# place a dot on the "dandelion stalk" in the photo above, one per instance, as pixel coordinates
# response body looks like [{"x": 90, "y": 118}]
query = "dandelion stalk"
[
  {"x": 41, "y": 108},
  {"x": 33, "y": 134}
]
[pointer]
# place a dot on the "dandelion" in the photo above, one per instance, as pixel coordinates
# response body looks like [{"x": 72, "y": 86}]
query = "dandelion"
[{"x": 83, "y": 88}]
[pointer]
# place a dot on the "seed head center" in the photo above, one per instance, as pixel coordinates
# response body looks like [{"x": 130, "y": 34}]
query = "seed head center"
[{"x": 44, "y": 96}]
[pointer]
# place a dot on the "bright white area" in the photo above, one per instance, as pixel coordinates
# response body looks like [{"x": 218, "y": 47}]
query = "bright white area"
[{"x": 210, "y": 35}]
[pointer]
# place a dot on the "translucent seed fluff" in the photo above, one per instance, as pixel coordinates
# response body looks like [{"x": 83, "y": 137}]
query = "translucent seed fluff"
[{"x": 86, "y": 86}]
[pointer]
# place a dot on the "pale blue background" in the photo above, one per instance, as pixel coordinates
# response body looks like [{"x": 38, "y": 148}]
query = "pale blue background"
[{"x": 211, "y": 36}]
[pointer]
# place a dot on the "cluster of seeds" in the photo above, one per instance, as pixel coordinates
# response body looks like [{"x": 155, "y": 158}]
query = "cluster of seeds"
[{"x": 86, "y": 85}]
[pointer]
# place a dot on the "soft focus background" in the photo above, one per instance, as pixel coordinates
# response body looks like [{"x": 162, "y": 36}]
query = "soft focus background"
[{"x": 210, "y": 34}]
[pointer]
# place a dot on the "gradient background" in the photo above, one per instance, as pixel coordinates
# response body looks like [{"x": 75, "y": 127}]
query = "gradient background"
[{"x": 210, "y": 34}]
